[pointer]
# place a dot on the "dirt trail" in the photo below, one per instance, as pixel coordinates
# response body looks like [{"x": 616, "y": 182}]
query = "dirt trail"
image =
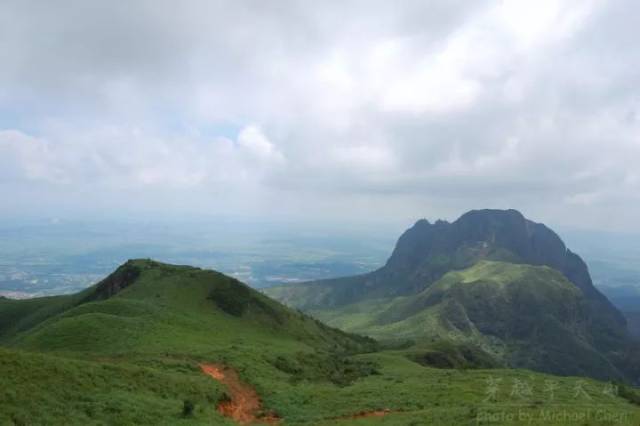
[
  {"x": 377, "y": 413},
  {"x": 365, "y": 414},
  {"x": 244, "y": 405}
]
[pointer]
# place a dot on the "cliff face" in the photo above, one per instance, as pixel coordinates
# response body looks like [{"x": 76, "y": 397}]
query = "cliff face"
[
  {"x": 425, "y": 252},
  {"x": 426, "y": 249},
  {"x": 120, "y": 279}
]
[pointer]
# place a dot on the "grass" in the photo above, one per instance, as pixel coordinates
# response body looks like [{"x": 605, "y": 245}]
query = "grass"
[
  {"x": 487, "y": 281},
  {"x": 152, "y": 390},
  {"x": 523, "y": 316},
  {"x": 133, "y": 359},
  {"x": 47, "y": 389}
]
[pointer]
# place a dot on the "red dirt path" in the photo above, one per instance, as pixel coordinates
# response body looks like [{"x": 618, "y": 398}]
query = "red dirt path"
[
  {"x": 364, "y": 414},
  {"x": 244, "y": 405}
]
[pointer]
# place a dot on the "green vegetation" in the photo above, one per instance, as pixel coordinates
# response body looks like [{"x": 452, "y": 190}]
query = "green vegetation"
[
  {"x": 339, "y": 370},
  {"x": 628, "y": 393},
  {"x": 187, "y": 408},
  {"x": 520, "y": 315},
  {"x": 448, "y": 354},
  {"x": 49, "y": 389},
  {"x": 132, "y": 357}
]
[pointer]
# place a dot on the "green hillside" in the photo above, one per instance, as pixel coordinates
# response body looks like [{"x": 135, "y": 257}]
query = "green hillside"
[
  {"x": 524, "y": 316},
  {"x": 127, "y": 351},
  {"x": 146, "y": 306}
]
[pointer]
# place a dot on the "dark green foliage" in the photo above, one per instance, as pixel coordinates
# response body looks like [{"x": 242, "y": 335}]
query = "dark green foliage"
[
  {"x": 224, "y": 397},
  {"x": 235, "y": 298},
  {"x": 231, "y": 296},
  {"x": 122, "y": 278},
  {"x": 627, "y": 392},
  {"x": 188, "y": 407},
  {"x": 397, "y": 344},
  {"x": 270, "y": 309},
  {"x": 446, "y": 354},
  {"x": 336, "y": 369}
]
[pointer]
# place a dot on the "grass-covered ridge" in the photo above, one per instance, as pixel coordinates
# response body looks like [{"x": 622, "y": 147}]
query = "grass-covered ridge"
[{"x": 162, "y": 301}]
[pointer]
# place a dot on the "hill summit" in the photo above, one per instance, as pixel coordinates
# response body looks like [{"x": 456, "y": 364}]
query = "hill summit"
[{"x": 144, "y": 298}]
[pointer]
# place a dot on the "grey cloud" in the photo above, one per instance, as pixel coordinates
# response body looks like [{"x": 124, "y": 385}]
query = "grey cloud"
[{"x": 411, "y": 108}]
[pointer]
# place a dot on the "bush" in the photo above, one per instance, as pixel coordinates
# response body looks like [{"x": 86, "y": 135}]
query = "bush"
[
  {"x": 231, "y": 296},
  {"x": 224, "y": 398},
  {"x": 339, "y": 370},
  {"x": 628, "y": 393},
  {"x": 188, "y": 408}
]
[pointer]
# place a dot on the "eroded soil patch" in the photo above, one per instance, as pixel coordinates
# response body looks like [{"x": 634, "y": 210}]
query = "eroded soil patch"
[{"x": 243, "y": 405}]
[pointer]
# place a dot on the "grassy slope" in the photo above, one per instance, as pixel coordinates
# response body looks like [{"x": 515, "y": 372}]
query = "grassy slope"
[
  {"x": 39, "y": 388},
  {"x": 133, "y": 359},
  {"x": 20, "y": 315},
  {"x": 419, "y": 315},
  {"x": 171, "y": 308},
  {"x": 525, "y": 316},
  {"x": 45, "y": 389}
]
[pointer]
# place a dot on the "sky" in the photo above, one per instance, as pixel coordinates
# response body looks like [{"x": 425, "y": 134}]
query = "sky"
[{"x": 327, "y": 112}]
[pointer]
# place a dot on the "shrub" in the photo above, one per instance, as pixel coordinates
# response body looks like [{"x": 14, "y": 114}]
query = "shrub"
[
  {"x": 187, "y": 408},
  {"x": 231, "y": 296},
  {"x": 224, "y": 398},
  {"x": 628, "y": 393}
]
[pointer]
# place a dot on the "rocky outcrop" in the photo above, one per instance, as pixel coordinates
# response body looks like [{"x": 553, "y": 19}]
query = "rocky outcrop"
[{"x": 120, "y": 279}]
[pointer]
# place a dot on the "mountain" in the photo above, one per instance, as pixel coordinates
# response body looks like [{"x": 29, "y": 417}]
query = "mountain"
[
  {"x": 491, "y": 277},
  {"x": 154, "y": 343}
]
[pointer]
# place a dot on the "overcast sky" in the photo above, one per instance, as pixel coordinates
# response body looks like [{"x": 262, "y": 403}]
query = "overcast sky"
[{"x": 321, "y": 110}]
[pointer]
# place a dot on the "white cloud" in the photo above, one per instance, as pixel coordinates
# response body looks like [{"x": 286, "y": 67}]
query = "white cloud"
[
  {"x": 583, "y": 199},
  {"x": 120, "y": 157},
  {"x": 365, "y": 158},
  {"x": 17, "y": 151},
  {"x": 255, "y": 143},
  {"x": 440, "y": 106},
  {"x": 536, "y": 23}
]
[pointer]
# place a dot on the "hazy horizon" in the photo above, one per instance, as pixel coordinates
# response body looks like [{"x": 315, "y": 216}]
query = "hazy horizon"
[{"x": 56, "y": 256}]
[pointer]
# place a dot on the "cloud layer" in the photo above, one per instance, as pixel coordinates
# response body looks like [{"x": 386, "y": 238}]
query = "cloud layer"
[{"x": 324, "y": 110}]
